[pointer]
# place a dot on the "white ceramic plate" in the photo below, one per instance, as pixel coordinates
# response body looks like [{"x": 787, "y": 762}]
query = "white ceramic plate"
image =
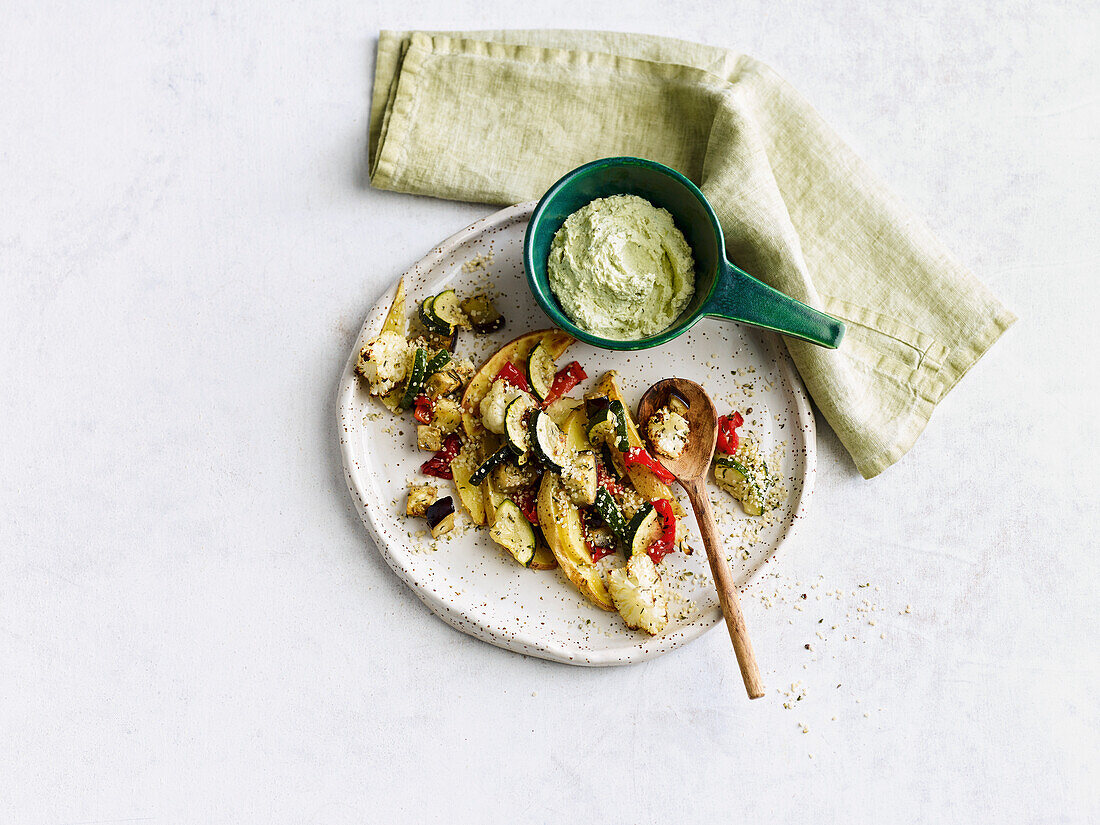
[{"x": 474, "y": 585}]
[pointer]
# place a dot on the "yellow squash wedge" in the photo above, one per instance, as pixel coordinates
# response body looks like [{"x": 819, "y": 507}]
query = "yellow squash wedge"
[{"x": 561, "y": 524}]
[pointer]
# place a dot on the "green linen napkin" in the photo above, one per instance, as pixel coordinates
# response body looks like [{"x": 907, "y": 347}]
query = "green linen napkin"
[{"x": 497, "y": 117}]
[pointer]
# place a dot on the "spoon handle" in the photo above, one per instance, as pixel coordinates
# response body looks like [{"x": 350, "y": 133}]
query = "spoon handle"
[{"x": 727, "y": 590}]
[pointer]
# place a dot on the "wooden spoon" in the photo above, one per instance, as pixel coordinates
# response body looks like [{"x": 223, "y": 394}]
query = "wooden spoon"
[{"x": 690, "y": 470}]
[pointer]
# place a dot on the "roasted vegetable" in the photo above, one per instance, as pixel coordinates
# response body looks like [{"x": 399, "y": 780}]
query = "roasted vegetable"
[
  {"x": 562, "y": 408},
  {"x": 462, "y": 467},
  {"x": 643, "y": 479},
  {"x": 575, "y": 429},
  {"x": 447, "y": 311},
  {"x": 543, "y": 558},
  {"x": 644, "y": 529},
  {"x": 513, "y": 352},
  {"x": 540, "y": 370},
  {"x": 746, "y": 477},
  {"x": 611, "y": 514},
  {"x": 639, "y": 594},
  {"x": 395, "y": 317},
  {"x": 483, "y": 314},
  {"x": 561, "y": 524},
  {"x": 489, "y": 464},
  {"x": 549, "y": 442},
  {"x": 579, "y": 478},
  {"x": 384, "y": 362},
  {"x": 420, "y": 497},
  {"x": 441, "y": 516},
  {"x": 429, "y": 438},
  {"x": 415, "y": 383},
  {"x": 517, "y": 430},
  {"x": 668, "y": 432},
  {"x": 442, "y": 382},
  {"x": 513, "y": 532}
]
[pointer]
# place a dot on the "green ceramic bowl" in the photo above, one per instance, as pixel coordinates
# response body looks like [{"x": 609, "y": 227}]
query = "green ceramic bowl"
[{"x": 721, "y": 289}]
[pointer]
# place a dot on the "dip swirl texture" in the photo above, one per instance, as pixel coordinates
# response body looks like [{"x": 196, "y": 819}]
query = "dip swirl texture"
[{"x": 620, "y": 268}]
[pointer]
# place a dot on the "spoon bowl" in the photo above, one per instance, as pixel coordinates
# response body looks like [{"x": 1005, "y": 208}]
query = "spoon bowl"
[
  {"x": 702, "y": 420},
  {"x": 691, "y": 470}
]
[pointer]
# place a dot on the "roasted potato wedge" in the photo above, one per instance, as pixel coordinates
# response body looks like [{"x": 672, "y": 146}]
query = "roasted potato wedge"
[
  {"x": 560, "y": 410},
  {"x": 395, "y": 318},
  {"x": 471, "y": 496},
  {"x": 516, "y": 352},
  {"x": 576, "y": 430},
  {"x": 561, "y": 525}
]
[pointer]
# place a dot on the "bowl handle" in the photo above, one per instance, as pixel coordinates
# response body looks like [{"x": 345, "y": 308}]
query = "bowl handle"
[{"x": 740, "y": 297}]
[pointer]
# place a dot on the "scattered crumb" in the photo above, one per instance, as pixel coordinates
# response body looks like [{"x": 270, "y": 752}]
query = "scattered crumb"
[{"x": 478, "y": 262}]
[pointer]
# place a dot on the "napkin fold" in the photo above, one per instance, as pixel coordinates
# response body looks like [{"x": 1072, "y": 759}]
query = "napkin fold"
[{"x": 497, "y": 117}]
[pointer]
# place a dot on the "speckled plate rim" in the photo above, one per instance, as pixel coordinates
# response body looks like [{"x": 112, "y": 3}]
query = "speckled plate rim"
[{"x": 469, "y": 621}]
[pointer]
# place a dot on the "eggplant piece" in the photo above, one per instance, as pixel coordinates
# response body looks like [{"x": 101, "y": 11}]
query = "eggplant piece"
[
  {"x": 421, "y": 497},
  {"x": 441, "y": 516},
  {"x": 446, "y": 342},
  {"x": 442, "y": 383},
  {"x": 483, "y": 314},
  {"x": 429, "y": 438}
]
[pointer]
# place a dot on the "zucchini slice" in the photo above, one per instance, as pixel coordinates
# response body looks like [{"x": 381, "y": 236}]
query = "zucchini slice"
[
  {"x": 619, "y": 438},
  {"x": 736, "y": 479},
  {"x": 611, "y": 514},
  {"x": 601, "y": 425},
  {"x": 446, "y": 310},
  {"x": 415, "y": 384},
  {"x": 516, "y": 424},
  {"x": 438, "y": 362},
  {"x": 644, "y": 529},
  {"x": 514, "y": 532},
  {"x": 614, "y": 464},
  {"x": 549, "y": 442},
  {"x": 540, "y": 370},
  {"x": 429, "y": 319},
  {"x": 490, "y": 464},
  {"x": 737, "y": 470}
]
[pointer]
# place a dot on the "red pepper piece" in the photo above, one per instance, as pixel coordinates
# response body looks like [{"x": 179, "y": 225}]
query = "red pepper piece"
[
  {"x": 638, "y": 455},
  {"x": 728, "y": 441},
  {"x": 606, "y": 480},
  {"x": 526, "y": 500},
  {"x": 511, "y": 373},
  {"x": 423, "y": 408},
  {"x": 568, "y": 377},
  {"x": 664, "y": 545},
  {"x": 598, "y": 551},
  {"x": 439, "y": 465}
]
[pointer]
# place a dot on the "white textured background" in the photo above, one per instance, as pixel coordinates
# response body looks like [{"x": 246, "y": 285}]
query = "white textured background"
[{"x": 194, "y": 626}]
